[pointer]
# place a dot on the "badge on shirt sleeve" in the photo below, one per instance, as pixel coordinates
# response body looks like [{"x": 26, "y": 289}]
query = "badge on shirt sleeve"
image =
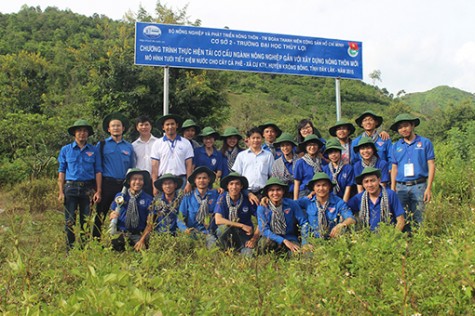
[
  {"x": 287, "y": 211},
  {"x": 331, "y": 209},
  {"x": 142, "y": 202},
  {"x": 89, "y": 153},
  {"x": 419, "y": 145},
  {"x": 210, "y": 202},
  {"x": 245, "y": 209},
  {"x": 213, "y": 161},
  {"x": 126, "y": 152},
  {"x": 380, "y": 143}
]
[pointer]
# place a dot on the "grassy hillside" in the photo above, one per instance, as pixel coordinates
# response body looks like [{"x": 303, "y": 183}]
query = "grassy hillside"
[{"x": 438, "y": 98}]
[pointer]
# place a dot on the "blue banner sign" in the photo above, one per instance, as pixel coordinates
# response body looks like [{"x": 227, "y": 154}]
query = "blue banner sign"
[{"x": 222, "y": 49}]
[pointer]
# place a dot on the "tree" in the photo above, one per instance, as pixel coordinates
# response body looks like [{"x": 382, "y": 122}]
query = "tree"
[{"x": 375, "y": 75}]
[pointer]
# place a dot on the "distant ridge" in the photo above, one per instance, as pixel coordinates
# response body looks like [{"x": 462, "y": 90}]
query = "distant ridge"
[{"x": 438, "y": 98}]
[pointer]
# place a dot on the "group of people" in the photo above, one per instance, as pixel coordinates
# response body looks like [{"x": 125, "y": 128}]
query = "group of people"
[{"x": 297, "y": 189}]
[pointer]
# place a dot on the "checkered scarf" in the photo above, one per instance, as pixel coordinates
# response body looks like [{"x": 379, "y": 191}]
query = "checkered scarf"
[
  {"x": 322, "y": 217},
  {"x": 233, "y": 209},
  {"x": 280, "y": 171},
  {"x": 277, "y": 222},
  {"x": 371, "y": 163},
  {"x": 364, "y": 207},
  {"x": 204, "y": 207},
  {"x": 132, "y": 216},
  {"x": 335, "y": 172},
  {"x": 315, "y": 163},
  {"x": 231, "y": 156}
]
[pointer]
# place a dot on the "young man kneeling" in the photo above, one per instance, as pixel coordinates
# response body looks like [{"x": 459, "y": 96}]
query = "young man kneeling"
[
  {"x": 233, "y": 213},
  {"x": 130, "y": 210}
]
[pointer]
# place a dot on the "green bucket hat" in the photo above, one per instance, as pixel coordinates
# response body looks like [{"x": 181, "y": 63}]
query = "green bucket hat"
[
  {"x": 378, "y": 118},
  {"x": 81, "y": 123},
  {"x": 162, "y": 120},
  {"x": 262, "y": 127},
  {"x": 231, "y": 177},
  {"x": 274, "y": 181},
  {"x": 317, "y": 177},
  {"x": 333, "y": 143},
  {"x": 405, "y": 117},
  {"x": 310, "y": 139},
  {"x": 332, "y": 130},
  {"x": 231, "y": 131},
  {"x": 168, "y": 176},
  {"x": 197, "y": 171},
  {"x": 208, "y": 131},
  {"x": 190, "y": 123},
  {"x": 132, "y": 171},
  {"x": 285, "y": 138},
  {"x": 367, "y": 172},
  {"x": 366, "y": 141},
  {"x": 115, "y": 116}
]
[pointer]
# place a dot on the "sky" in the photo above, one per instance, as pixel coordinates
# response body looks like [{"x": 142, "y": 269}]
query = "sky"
[{"x": 416, "y": 44}]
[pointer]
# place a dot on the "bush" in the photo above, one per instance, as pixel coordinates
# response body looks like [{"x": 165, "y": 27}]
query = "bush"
[{"x": 37, "y": 195}]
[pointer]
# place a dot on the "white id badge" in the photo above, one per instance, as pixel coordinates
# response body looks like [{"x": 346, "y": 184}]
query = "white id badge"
[{"x": 409, "y": 170}]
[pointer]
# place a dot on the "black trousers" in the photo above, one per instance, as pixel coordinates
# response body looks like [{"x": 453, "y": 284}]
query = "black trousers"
[{"x": 110, "y": 188}]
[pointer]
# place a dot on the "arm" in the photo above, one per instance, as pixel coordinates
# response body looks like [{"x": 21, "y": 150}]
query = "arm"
[
  {"x": 155, "y": 168},
  {"x": 393, "y": 177},
  {"x": 220, "y": 220},
  {"x": 346, "y": 195},
  {"x": 430, "y": 179},
  {"x": 359, "y": 188},
  {"x": 61, "y": 177},
  {"x": 264, "y": 226},
  {"x": 400, "y": 222},
  {"x": 384, "y": 135},
  {"x": 336, "y": 231},
  {"x": 296, "y": 189},
  {"x": 148, "y": 229},
  {"x": 189, "y": 171},
  {"x": 97, "y": 195}
]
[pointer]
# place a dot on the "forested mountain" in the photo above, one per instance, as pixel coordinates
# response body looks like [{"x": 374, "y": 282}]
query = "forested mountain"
[{"x": 57, "y": 66}]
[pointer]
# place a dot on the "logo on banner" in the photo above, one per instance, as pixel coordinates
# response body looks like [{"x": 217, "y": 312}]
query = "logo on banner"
[
  {"x": 353, "y": 50},
  {"x": 152, "y": 31}
]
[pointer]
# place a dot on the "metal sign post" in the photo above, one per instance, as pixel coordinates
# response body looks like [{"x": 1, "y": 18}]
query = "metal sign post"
[
  {"x": 166, "y": 79},
  {"x": 338, "y": 99}
]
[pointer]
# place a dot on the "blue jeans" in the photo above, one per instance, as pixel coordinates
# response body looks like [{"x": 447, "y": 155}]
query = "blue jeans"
[
  {"x": 412, "y": 199},
  {"x": 76, "y": 196}
]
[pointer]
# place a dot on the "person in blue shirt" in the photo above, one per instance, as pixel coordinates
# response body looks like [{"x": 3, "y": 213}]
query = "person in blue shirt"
[
  {"x": 327, "y": 214},
  {"x": 131, "y": 210},
  {"x": 165, "y": 204},
  {"x": 376, "y": 203},
  {"x": 370, "y": 122},
  {"x": 306, "y": 166},
  {"x": 283, "y": 167},
  {"x": 208, "y": 156},
  {"x": 233, "y": 214},
  {"x": 79, "y": 177},
  {"x": 117, "y": 157},
  {"x": 413, "y": 167},
  {"x": 281, "y": 221},
  {"x": 271, "y": 132},
  {"x": 342, "y": 130},
  {"x": 198, "y": 207},
  {"x": 190, "y": 130},
  {"x": 230, "y": 148},
  {"x": 340, "y": 173},
  {"x": 369, "y": 158}
]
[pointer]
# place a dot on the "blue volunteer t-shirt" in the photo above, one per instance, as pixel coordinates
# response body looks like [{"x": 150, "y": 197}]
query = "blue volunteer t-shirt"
[
  {"x": 346, "y": 178},
  {"x": 244, "y": 213},
  {"x": 336, "y": 212},
  {"x": 79, "y": 164},
  {"x": 118, "y": 158},
  {"x": 395, "y": 207},
  {"x": 189, "y": 208},
  {"x": 143, "y": 203},
  {"x": 417, "y": 153},
  {"x": 380, "y": 164}
]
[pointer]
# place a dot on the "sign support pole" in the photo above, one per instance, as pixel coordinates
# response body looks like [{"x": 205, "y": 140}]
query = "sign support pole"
[
  {"x": 166, "y": 100},
  {"x": 338, "y": 99}
]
